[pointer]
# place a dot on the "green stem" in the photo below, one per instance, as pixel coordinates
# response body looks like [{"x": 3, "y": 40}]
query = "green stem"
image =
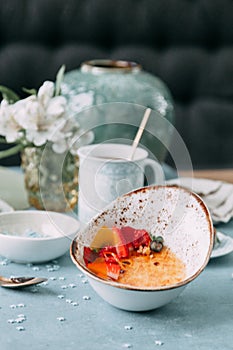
[
  {"x": 11, "y": 151},
  {"x": 3, "y": 140}
]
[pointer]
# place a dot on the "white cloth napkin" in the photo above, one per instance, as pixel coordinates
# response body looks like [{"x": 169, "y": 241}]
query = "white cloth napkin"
[{"x": 217, "y": 195}]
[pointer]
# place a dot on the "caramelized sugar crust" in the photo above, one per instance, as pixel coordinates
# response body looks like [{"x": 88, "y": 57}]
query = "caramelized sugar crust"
[{"x": 154, "y": 270}]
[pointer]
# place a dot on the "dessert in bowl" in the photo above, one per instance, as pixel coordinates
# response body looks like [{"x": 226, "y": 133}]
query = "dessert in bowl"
[{"x": 145, "y": 247}]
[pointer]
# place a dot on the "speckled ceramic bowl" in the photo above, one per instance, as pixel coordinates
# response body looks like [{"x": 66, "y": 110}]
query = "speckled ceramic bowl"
[
  {"x": 173, "y": 212},
  {"x": 34, "y": 236}
]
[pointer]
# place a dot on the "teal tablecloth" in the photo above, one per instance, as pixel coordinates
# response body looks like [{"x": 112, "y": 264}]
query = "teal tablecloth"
[{"x": 66, "y": 313}]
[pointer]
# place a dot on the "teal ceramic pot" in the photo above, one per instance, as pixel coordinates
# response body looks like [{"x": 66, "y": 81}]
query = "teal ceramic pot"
[{"x": 123, "y": 90}]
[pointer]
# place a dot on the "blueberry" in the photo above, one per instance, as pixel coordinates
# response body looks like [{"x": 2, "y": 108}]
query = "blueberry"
[{"x": 156, "y": 246}]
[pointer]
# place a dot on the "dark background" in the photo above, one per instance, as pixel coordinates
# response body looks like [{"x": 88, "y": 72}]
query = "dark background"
[{"x": 188, "y": 44}]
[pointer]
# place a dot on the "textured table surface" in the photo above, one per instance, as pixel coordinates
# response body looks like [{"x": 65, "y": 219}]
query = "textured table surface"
[{"x": 66, "y": 313}]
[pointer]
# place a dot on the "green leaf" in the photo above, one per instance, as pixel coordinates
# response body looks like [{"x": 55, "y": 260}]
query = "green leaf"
[
  {"x": 59, "y": 79},
  {"x": 8, "y": 94},
  {"x": 11, "y": 151},
  {"x": 29, "y": 91}
]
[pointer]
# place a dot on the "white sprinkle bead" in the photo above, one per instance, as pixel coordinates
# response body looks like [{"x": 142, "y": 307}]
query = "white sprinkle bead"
[
  {"x": 84, "y": 281},
  {"x": 61, "y": 318},
  {"x": 53, "y": 278},
  {"x": 22, "y": 316},
  {"x": 50, "y": 269},
  {"x": 53, "y": 268},
  {"x": 13, "y": 306},
  {"x": 128, "y": 328},
  {"x": 10, "y": 321},
  {"x": 158, "y": 342},
  {"x": 45, "y": 283},
  {"x": 35, "y": 268},
  {"x": 20, "y": 328},
  {"x": 64, "y": 287},
  {"x": 74, "y": 303},
  {"x": 19, "y": 319},
  {"x": 72, "y": 285},
  {"x": 86, "y": 297},
  {"x": 127, "y": 346},
  {"x": 61, "y": 278},
  {"x": 56, "y": 267},
  {"x": 5, "y": 262},
  {"x": 68, "y": 301},
  {"x": 61, "y": 296},
  {"x": 21, "y": 305}
]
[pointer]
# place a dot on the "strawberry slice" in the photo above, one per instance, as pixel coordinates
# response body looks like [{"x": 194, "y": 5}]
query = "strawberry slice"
[
  {"x": 113, "y": 270},
  {"x": 121, "y": 244},
  {"x": 135, "y": 237},
  {"x": 142, "y": 237},
  {"x": 128, "y": 234},
  {"x": 107, "y": 249},
  {"x": 109, "y": 254},
  {"x": 89, "y": 255},
  {"x": 111, "y": 257},
  {"x": 146, "y": 238}
]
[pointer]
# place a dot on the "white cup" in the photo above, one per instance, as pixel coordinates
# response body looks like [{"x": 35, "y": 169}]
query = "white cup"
[{"x": 105, "y": 172}]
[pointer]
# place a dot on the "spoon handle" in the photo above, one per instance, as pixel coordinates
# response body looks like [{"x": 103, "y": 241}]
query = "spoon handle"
[
  {"x": 3, "y": 279},
  {"x": 140, "y": 131},
  {"x": 19, "y": 282}
]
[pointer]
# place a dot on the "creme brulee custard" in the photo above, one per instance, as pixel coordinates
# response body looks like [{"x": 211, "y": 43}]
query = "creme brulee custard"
[
  {"x": 131, "y": 256},
  {"x": 154, "y": 270}
]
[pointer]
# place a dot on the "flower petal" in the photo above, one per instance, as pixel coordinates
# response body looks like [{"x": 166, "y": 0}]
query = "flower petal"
[
  {"x": 56, "y": 107},
  {"x": 45, "y": 92}
]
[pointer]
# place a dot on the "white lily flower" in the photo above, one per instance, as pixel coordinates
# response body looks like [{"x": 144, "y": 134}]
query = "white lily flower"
[
  {"x": 41, "y": 118},
  {"x": 38, "y": 138},
  {"x": 56, "y": 107},
  {"x": 9, "y": 128},
  {"x": 45, "y": 92},
  {"x": 56, "y": 136},
  {"x": 26, "y": 112}
]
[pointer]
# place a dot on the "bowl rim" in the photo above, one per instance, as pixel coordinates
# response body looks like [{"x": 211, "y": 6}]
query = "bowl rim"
[
  {"x": 40, "y": 213},
  {"x": 84, "y": 269}
]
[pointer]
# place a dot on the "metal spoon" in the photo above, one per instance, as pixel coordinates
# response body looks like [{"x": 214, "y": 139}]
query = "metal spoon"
[{"x": 20, "y": 282}]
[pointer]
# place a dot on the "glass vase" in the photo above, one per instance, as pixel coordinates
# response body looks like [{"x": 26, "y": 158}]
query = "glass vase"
[
  {"x": 100, "y": 82},
  {"x": 51, "y": 179}
]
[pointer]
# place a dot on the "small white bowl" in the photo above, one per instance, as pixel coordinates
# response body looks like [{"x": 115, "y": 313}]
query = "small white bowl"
[
  {"x": 55, "y": 231},
  {"x": 175, "y": 213},
  {"x": 4, "y": 206}
]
